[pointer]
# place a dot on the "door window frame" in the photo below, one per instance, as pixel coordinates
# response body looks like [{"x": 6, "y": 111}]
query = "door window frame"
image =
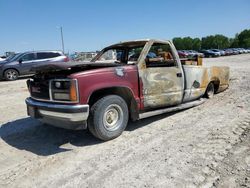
[
  {"x": 147, "y": 47},
  {"x": 21, "y": 58}
]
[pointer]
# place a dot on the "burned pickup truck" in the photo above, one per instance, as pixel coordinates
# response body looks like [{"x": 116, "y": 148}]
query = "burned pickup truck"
[{"x": 129, "y": 80}]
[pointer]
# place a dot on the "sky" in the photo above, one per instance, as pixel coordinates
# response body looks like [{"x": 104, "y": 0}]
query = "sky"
[{"x": 90, "y": 25}]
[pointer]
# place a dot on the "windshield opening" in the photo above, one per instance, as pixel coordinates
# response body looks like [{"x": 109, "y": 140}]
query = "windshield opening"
[
  {"x": 125, "y": 55},
  {"x": 13, "y": 57}
]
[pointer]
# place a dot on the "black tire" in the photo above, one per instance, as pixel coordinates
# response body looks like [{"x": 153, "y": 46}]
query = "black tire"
[
  {"x": 10, "y": 74},
  {"x": 210, "y": 91},
  {"x": 108, "y": 117}
]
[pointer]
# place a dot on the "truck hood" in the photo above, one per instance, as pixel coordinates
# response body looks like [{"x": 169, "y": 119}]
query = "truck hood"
[{"x": 72, "y": 67}]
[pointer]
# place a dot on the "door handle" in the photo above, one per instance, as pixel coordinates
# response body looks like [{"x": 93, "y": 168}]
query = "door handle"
[{"x": 179, "y": 74}]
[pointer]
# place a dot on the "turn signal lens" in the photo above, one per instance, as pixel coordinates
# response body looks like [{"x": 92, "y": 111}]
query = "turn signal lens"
[{"x": 73, "y": 91}]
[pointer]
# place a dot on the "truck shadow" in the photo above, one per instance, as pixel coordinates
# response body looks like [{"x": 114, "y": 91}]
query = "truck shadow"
[{"x": 31, "y": 135}]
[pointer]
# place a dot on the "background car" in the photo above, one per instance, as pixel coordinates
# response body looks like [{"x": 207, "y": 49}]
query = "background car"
[
  {"x": 195, "y": 53},
  {"x": 210, "y": 53},
  {"x": 228, "y": 51},
  {"x": 21, "y": 63},
  {"x": 183, "y": 54},
  {"x": 222, "y": 52}
]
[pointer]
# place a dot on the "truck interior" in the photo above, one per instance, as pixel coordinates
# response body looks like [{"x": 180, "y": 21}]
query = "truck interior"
[{"x": 160, "y": 55}]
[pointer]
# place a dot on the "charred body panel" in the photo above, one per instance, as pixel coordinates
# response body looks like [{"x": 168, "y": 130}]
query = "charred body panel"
[
  {"x": 198, "y": 78},
  {"x": 161, "y": 85}
]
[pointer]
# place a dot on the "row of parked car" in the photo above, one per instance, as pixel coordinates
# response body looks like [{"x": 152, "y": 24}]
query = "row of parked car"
[{"x": 212, "y": 52}]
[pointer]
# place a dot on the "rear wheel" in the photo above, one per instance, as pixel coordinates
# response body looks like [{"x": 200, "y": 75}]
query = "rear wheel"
[
  {"x": 108, "y": 117},
  {"x": 10, "y": 74},
  {"x": 210, "y": 91}
]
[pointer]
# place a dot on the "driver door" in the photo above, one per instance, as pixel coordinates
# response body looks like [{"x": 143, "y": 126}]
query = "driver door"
[
  {"x": 162, "y": 78},
  {"x": 26, "y": 62}
]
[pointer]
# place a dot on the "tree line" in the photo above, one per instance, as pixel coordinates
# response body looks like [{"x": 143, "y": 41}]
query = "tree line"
[{"x": 241, "y": 40}]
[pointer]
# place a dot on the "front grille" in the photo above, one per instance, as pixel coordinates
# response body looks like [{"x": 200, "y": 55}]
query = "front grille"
[{"x": 39, "y": 89}]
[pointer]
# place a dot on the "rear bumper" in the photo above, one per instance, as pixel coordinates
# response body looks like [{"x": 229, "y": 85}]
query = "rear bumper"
[{"x": 59, "y": 115}]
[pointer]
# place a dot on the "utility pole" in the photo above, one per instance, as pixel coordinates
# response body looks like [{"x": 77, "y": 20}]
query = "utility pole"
[{"x": 62, "y": 39}]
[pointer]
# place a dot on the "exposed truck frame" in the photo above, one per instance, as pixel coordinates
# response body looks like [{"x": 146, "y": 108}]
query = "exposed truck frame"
[{"x": 102, "y": 96}]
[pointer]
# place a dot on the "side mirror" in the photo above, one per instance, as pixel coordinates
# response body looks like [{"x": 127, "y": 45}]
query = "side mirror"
[{"x": 20, "y": 60}]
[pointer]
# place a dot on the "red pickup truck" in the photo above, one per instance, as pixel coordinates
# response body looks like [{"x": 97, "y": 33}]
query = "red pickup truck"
[{"x": 127, "y": 80}]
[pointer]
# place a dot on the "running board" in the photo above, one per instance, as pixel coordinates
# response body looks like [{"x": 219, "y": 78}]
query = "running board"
[{"x": 171, "y": 109}]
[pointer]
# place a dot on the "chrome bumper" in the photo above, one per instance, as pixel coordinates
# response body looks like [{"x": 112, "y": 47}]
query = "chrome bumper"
[{"x": 59, "y": 115}]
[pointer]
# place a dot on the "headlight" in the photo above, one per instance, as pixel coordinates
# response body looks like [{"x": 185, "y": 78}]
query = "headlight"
[
  {"x": 64, "y": 90},
  {"x": 58, "y": 85}
]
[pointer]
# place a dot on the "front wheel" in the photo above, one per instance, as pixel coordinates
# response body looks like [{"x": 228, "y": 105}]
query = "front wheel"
[
  {"x": 108, "y": 117},
  {"x": 10, "y": 74}
]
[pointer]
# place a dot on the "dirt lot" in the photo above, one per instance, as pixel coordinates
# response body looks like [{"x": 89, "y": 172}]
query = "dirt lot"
[{"x": 206, "y": 146}]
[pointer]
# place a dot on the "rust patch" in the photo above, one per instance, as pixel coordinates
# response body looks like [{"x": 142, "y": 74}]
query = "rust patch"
[
  {"x": 215, "y": 73},
  {"x": 205, "y": 79}
]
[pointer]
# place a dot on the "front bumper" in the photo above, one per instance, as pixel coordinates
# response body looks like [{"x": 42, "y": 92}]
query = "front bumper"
[
  {"x": 1, "y": 73},
  {"x": 59, "y": 115}
]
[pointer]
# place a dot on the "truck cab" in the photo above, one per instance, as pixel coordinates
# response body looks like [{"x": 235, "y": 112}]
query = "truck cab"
[{"x": 127, "y": 80}]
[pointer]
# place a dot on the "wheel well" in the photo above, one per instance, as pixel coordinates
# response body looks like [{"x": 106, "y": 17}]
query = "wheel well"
[
  {"x": 123, "y": 92},
  {"x": 216, "y": 85},
  {"x": 9, "y": 69}
]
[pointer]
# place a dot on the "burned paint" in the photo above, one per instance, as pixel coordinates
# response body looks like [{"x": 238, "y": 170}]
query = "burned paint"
[
  {"x": 161, "y": 88},
  {"x": 204, "y": 75}
]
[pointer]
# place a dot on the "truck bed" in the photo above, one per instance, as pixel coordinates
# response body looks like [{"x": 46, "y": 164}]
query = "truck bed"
[{"x": 198, "y": 78}]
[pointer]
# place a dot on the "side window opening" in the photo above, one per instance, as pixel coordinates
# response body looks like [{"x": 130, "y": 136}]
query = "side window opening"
[
  {"x": 42, "y": 55},
  {"x": 46, "y": 55},
  {"x": 133, "y": 54},
  {"x": 160, "y": 55},
  {"x": 28, "y": 57},
  {"x": 53, "y": 54}
]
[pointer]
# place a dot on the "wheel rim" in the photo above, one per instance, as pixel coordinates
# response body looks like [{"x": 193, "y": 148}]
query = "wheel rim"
[
  {"x": 11, "y": 75},
  {"x": 113, "y": 117}
]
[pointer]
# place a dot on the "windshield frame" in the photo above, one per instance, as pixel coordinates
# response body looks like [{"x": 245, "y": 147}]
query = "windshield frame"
[{"x": 124, "y": 47}]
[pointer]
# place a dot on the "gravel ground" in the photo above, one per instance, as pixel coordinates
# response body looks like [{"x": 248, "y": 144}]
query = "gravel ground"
[{"x": 205, "y": 146}]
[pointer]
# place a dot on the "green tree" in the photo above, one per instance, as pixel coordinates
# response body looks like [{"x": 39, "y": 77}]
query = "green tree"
[
  {"x": 233, "y": 42},
  {"x": 196, "y": 44},
  {"x": 244, "y": 39},
  {"x": 178, "y": 42},
  {"x": 206, "y": 42},
  {"x": 221, "y": 41},
  {"x": 215, "y": 41},
  {"x": 188, "y": 43}
]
